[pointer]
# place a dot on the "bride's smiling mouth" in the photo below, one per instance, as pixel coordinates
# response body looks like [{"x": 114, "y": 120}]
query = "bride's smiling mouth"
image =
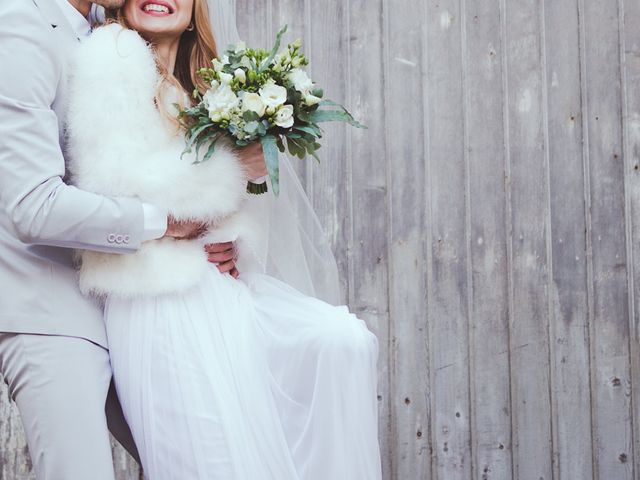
[{"x": 157, "y": 8}]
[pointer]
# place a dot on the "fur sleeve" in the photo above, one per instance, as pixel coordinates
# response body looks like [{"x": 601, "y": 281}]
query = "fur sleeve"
[{"x": 121, "y": 145}]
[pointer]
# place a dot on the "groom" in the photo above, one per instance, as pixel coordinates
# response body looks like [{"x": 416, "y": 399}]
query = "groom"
[{"x": 53, "y": 348}]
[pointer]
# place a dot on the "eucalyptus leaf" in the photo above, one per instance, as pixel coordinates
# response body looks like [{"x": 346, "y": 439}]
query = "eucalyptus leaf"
[
  {"x": 211, "y": 149},
  {"x": 320, "y": 116},
  {"x": 315, "y": 131},
  {"x": 193, "y": 137},
  {"x": 270, "y": 150},
  {"x": 274, "y": 50}
]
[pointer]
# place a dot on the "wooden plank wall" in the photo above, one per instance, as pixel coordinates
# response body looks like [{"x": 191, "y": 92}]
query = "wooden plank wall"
[{"x": 486, "y": 227}]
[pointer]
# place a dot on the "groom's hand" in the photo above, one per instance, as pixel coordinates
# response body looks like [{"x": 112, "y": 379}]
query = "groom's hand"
[
  {"x": 224, "y": 255},
  {"x": 252, "y": 158},
  {"x": 183, "y": 230}
]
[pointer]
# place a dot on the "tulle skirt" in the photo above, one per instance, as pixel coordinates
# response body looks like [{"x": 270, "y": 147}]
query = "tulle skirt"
[{"x": 246, "y": 380}]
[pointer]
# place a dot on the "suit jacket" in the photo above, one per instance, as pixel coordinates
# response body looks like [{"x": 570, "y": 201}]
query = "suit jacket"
[{"x": 41, "y": 217}]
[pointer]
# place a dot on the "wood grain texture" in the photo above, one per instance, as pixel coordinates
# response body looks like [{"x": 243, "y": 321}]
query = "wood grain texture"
[{"x": 486, "y": 227}]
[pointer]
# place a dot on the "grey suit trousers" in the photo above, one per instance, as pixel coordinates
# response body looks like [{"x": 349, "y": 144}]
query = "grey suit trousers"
[{"x": 61, "y": 385}]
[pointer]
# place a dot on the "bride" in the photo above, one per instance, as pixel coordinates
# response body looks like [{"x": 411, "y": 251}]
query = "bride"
[{"x": 219, "y": 378}]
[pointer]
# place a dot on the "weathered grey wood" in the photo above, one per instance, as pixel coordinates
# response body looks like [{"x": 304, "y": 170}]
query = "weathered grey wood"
[
  {"x": 448, "y": 304},
  {"x": 529, "y": 256},
  {"x": 366, "y": 159},
  {"x": 489, "y": 328},
  {"x": 568, "y": 283},
  {"x": 630, "y": 53},
  {"x": 610, "y": 322},
  {"x": 403, "y": 58}
]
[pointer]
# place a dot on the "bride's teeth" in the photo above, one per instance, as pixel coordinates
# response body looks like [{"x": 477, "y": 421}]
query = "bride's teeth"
[{"x": 153, "y": 7}]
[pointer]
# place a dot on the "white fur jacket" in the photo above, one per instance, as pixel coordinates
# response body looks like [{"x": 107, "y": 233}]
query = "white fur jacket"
[{"x": 121, "y": 145}]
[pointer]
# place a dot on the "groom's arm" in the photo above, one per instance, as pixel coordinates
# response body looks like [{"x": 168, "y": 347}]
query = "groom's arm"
[{"x": 41, "y": 207}]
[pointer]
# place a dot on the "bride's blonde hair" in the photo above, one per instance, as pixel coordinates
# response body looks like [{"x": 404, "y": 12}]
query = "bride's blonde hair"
[{"x": 197, "y": 49}]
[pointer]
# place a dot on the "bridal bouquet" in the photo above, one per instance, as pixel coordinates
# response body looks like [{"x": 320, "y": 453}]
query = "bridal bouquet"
[{"x": 260, "y": 95}]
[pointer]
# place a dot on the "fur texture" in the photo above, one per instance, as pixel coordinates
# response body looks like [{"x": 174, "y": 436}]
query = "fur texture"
[{"x": 121, "y": 145}]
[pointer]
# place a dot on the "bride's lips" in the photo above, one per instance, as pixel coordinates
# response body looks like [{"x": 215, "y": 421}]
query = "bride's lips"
[{"x": 157, "y": 8}]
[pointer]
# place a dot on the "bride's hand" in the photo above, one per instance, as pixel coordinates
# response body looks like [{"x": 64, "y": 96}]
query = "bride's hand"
[
  {"x": 252, "y": 158},
  {"x": 224, "y": 255}
]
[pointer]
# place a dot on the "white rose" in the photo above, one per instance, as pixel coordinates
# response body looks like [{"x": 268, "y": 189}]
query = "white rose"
[
  {"x": 253, "y": 102},
  {"x": 225, "y": 78},
  {"x": 312, "y": 100},
  {"x": 284, "y": 117},
  {"x": 300, "y": 80},
  {"x": 273, "y": 95},
  {"x": 241, "y": 76},
  {"x": 225, "y": 60},
  {"x": 220, "y": 102}
]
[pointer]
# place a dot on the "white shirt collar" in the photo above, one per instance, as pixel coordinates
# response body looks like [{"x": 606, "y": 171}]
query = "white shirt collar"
[{"x": 79, "y": 24}]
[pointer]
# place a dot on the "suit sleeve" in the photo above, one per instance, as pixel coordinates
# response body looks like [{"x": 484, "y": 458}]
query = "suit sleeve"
[{"x": 41, "y": 207}]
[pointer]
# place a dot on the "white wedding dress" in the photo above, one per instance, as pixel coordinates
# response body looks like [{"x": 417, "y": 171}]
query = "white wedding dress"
[
  {"x": 246, "y": 380},
  {"x": 219, "y": 379}
]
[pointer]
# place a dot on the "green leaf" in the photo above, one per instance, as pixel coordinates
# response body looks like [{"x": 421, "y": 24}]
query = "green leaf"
[
  {"x": 201, "y": 141},
  {"x": 250, "y": 116},
  {"x": 270, "y": 149},
  {"x": 192, "y": 136},
  {"x": 274, "y": 50},
  {"x": 298, "y": 147},
  {"x": 280, "y": 143},
  {"x": 342, "y": 115},
  {"x": 211, "y": 150},
  {"x": 329, "y": 102},
  {"x": 310, "y": 129}
]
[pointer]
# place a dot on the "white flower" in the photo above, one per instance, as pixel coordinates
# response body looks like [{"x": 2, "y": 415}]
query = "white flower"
[
  {"x": 225, "y": 78},
  {"x": 300, "y": 80},
  {"x": 240, "y": 75},
  {"x": 253, "y": 102},
  {"x": 220, "y": 101},
  {"x": 273, "y": 95},
  {"x": 312, "y": 100},
  {"x": 217, "y": 65},
  {"x": 284, "y": 117},
  {"x": 225, "y": 60},
  {"x": 240, "y": 47}
]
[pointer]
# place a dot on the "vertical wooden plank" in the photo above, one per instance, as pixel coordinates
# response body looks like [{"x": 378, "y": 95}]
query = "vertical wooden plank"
[
  {"x": 254, "y": 22},
  {"x": 447, "y": 272},
  {"x": 366, "y": 160},
  {"x": 569, "y": 302},
  {"x": 489, "y": 334},
  {"x": 329, "y": 185},
  {"x": 610, "y": 332},
  {"x": 15, "y": 463},
  {"x": 630, "y": 52},
  {"x": 527, "y": 216},
  {"x": 406, "y": 138}
]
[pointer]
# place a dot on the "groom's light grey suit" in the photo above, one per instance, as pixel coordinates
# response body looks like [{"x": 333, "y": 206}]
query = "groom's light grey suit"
[{"x": 52, "y": 345}]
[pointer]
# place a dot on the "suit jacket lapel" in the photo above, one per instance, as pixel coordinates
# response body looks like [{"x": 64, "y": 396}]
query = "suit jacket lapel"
[{"x": 55, "y": 17}]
